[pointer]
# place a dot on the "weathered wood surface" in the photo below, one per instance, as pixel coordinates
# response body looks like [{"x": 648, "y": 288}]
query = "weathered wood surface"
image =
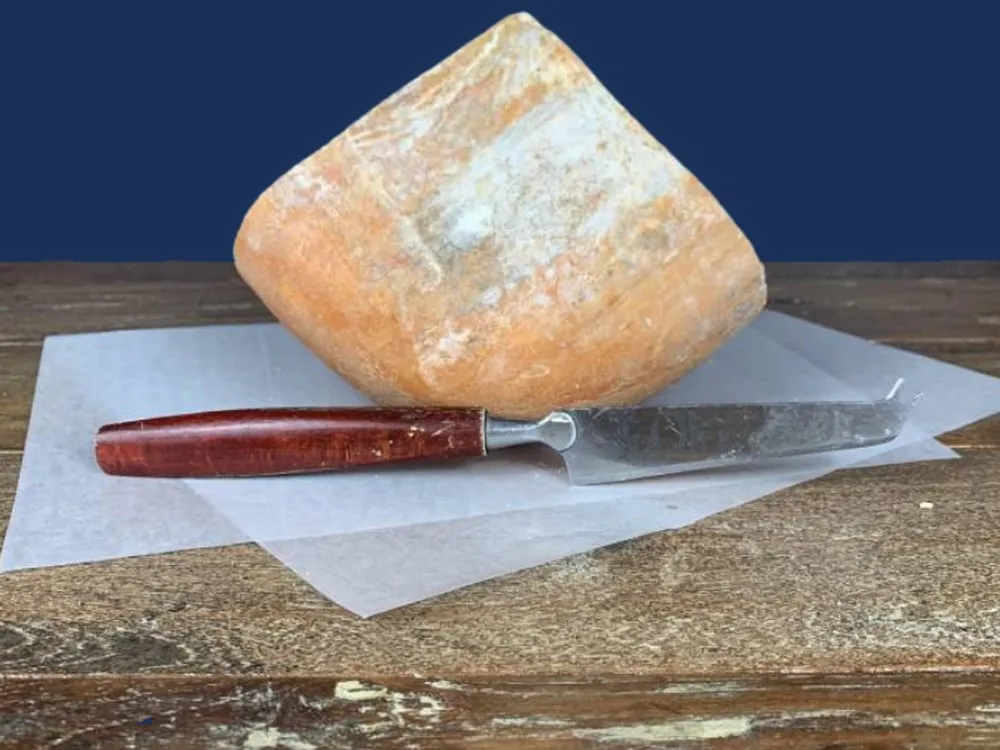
[
  {"x": 844, "y": 574},
  {"x": 307, "y": 713}
]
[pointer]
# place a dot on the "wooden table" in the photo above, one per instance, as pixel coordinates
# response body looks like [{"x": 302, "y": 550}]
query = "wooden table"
[{"x": 835, "y": 614}]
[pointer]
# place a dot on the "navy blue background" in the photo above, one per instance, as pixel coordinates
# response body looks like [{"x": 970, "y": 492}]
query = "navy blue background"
[{"x": 829, "y": 131}]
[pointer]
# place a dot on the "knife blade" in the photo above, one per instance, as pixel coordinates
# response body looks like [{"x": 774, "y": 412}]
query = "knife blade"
[
  {"x": 615, "y": 445},
  {"x": 598, "y": 445}
]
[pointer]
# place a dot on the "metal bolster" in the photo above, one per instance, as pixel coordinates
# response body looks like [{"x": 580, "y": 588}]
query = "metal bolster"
[{"x": 556, "y": 430}]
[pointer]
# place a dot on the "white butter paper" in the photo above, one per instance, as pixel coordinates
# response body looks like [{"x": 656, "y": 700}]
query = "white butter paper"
[
  {"x": 67, "y": 511},
  {"x": 422, "y": 561},
  {"x": 369, "y": 572},
  {"x": 86, "y": 380},
  {"x": 751, "y": 368}
]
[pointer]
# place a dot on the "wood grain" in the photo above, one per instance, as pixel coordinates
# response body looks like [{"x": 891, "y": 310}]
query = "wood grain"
[
  {"x": 844, "y": 573},
  {"x": 606, "y": 711},
  {"x": 851, "y": 573},
  {"x": 271, "y": 442}
]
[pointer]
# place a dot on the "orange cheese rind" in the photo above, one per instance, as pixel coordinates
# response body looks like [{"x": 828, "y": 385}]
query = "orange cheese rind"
[{"x": 502, "y": 233}]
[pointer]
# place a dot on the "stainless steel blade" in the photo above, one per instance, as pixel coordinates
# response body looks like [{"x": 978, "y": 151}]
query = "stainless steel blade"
[{"x": 619, "y": 444}]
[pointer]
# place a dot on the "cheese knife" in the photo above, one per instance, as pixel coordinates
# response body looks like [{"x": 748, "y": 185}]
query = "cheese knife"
[{"x": 598, "y": 445}]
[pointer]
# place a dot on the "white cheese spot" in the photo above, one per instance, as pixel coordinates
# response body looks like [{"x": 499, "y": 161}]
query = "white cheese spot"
[
  {"x": 303, "y": 185},
  {"x": 253, "y": 241},
  {"x": 559, "y": 178},
  {"x": 469, "y": 226},
  {"x": 491, "y": 296},
  {"x": 449, "y": 347}
]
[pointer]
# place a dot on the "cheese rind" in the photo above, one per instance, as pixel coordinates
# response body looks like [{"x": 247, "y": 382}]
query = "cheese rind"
[{"x": 502, "y": 233}]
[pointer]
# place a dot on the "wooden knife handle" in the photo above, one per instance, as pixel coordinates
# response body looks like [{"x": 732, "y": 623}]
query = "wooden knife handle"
[{"x": 265, "y": 442}]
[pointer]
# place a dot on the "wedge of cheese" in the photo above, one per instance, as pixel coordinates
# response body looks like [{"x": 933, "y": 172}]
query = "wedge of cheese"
[{"x": 501, "y": 233}]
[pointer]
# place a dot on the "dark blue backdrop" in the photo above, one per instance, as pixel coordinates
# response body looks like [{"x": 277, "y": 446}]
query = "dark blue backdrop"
[{"x": 830, "y": 131}]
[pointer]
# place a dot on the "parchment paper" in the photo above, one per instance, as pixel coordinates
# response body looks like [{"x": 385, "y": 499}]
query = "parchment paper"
[
  {"x": 67, "y": 511},
  {"x": 374, "y": 571},
  {"x": 750, "y": 368},
  {"x": 417, "y": 562},
  {"x": 369, "y": 572},
  {"x": 90, "y": 379}
]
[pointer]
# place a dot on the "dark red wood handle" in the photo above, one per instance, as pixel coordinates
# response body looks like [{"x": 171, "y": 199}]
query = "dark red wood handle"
[{"x": 264, "y": 442}]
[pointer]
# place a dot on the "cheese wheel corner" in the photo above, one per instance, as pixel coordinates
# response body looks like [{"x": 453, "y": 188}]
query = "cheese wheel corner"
[{"x": 501, "y": 233}]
